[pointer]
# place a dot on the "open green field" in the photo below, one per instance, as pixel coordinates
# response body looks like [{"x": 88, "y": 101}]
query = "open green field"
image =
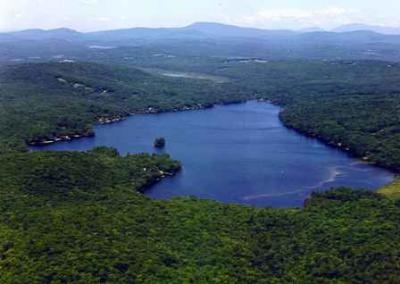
[{"x": 391, "y": 190}]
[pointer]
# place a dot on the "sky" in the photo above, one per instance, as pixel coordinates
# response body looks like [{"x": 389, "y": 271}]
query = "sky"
[{"x": 93, "y": 15}]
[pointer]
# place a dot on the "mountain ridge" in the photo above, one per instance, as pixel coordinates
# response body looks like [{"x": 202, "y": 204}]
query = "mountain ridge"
[
  {"x": 385, "y": 30},
  {"x": 213, "y": 28}
]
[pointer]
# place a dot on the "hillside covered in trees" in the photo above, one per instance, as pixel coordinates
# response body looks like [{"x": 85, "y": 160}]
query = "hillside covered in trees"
[
  {"x": 49, "y": 101},
  {"x": 82, "y": 217},
  {"x": 349, "y": 104}
]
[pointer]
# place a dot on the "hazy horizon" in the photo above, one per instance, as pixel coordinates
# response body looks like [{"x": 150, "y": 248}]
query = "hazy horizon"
[
  {"x": 311, "y": 28},
  {"x": 95, "y": 15}
]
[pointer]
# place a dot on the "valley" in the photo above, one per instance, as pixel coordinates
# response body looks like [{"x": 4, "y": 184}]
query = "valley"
[{"x": 88, "y": 206}]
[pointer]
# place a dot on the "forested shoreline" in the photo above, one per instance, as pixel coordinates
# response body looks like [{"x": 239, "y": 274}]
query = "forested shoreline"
[
  {"x": 318, "y": 100},
  {"x": 82, "y": 217},
  {"x": 62, "y": 101}
]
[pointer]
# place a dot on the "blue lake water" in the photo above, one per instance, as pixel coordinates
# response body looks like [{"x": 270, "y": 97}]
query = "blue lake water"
[{"x": 236, "y": 154}]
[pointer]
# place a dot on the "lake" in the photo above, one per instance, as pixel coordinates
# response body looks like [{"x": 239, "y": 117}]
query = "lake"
[{"x": 238, "y": 153}]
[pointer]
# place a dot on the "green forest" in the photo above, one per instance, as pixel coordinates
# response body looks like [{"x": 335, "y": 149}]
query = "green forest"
[
  {"x": 45, "y": 101},
  {"x": 82, "y": 217}
]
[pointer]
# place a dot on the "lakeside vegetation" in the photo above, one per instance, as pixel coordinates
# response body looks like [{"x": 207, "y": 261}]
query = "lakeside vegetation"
[
  {"x": 81, "y": 217},
  {"x": 352, "y": 105},
  {"x": 46, "y": 102},
  {"x": 391, "y": 190},
  {"x": 50, "y": 101},
  {"x": 366, "y": 125}
]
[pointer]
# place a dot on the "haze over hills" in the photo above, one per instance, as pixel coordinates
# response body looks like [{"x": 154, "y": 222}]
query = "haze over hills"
[
  {"x": 374, "y": 28},
  {"x": 91, "y": 217},
  {"x": 195, "y": 30},
  {"x": 207, "y": 39},
  {"x": 39, "y": 34}
]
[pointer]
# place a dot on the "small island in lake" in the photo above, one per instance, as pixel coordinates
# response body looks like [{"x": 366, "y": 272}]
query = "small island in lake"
[{"x": 159, "y": 143}]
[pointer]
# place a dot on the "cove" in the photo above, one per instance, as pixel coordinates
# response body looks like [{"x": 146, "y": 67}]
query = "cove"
[{"x": 238, "y": 153}]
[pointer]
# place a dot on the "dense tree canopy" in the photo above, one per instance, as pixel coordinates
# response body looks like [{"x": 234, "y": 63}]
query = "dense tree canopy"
[
  {"x": 43, "y": 102},
  {"x": 81, "y": 217}
]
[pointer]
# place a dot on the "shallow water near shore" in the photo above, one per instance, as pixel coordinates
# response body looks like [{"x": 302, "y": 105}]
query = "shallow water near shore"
[{"x": 238, "y": 153}]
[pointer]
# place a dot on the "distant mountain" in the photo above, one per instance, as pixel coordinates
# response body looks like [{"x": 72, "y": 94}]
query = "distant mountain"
[
  {"x": 311, "y": 30},
  {"x": 363, "y": 27},
  {"x": 197, "y": 31},
  {"x": 360, "y": 36},
  {"x": 143, "y": 33},
  {"x": 201, "y": 30},
  {"x": 204, "y": 39},
  {"x": 223, "y": 30},
  {"x": 39, "y": 34}
]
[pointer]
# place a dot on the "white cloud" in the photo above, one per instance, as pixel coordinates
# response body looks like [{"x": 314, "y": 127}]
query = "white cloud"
[
  {"x": 90, "y": 2},
  {"x": 18, "y": 15},
  {"x": 87, "y": 15},
  {"x": 327, "y": 17},
  {"x": 104, "y": 19}
]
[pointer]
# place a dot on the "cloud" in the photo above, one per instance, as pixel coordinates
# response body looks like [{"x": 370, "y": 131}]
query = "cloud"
[
  {"x": 18, "y": 15},
  {"x": 104, "y": 19},
  {"x": 90, "y": 2},
  {"x": 326, "y": 17}
]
